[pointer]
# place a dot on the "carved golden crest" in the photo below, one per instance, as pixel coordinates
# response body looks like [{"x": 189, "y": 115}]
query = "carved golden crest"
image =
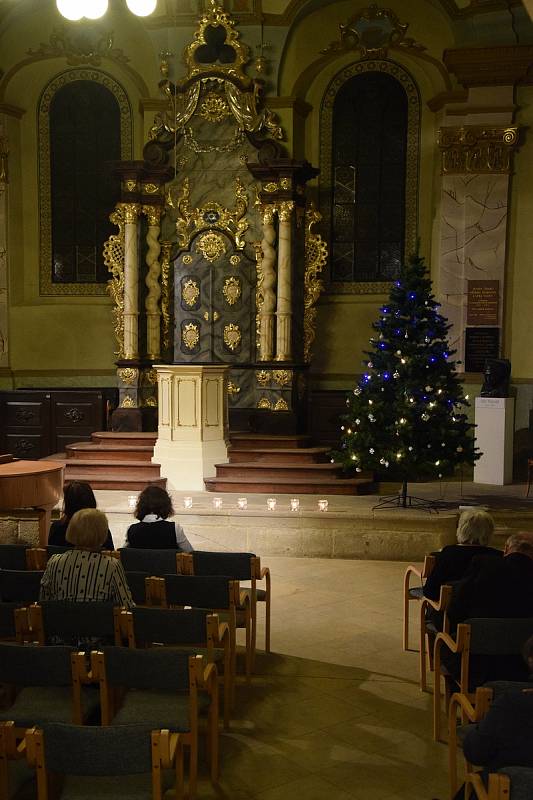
[
  {"x": 128, "y": 375},
  {"x": 281, "y": 405},
  {"x": 231, "y": 290},
  {"x": 190, "y": 335},
  {"x": 234, "y": 260},
  {"x": 128, "y": 402},
  {"x": 233, "y": 388},
  {"x": 187, "y": 259},
  {"x": 232, "y": 336},
  {"x": 191, "y": 221},
  {"x": 214, "y": 108},
  {"x": 283, "y": 377},
  {"x": 262, "y": 377},
  {"x": 264, "y": 402},
  {"x": 190, "y": 292},
  {"x": 211, "y": 245},
  {"x": 150, "y": 376}
]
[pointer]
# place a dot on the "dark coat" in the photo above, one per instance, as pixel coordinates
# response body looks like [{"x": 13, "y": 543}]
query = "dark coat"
[
  {"x": 451, "y": 564},
  {"x": 159, "y": 535},
  {"x": 504, "y": 738},
  {"x": 58, "y": 532}
]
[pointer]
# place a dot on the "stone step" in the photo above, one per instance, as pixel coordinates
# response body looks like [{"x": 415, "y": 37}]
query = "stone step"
[
  {"x": 76, "y": 468},
  {"x": 295, "y": 455},
  {"x": 130, "y": 484},
  {"x": 254, "y": 441},
  {"x": 134, "y": 439},
  {"x": 323, "y": 486},
  {"x": 261, "y": 471},
  {"x": 109, "y": 452}
]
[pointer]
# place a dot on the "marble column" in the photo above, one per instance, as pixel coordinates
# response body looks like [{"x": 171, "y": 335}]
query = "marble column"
[
  {"x": 131, "y": 280},
  {"x": 284, "y": 294},
  {"x": 4, "y": 308},
  {"x": 267, "y": 284},
  {"x": 193, "y": 423},
  {"x": 153, "y": 313}
]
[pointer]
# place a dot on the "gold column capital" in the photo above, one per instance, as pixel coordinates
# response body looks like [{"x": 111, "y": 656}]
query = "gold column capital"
[
  {"x": 285, "y": 209},
  {"x": 153, "y": 213},
  {"x": 131, "y": 211},
  {"x": 477, "y": 149}
]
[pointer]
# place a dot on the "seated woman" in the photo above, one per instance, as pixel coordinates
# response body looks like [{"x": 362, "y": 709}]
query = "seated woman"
[
  {"x": 84, "y": 574},
  {"x": 153, "y": 530},
  {"x": 76, "y": 495},
  {"x": 474, "y": 530}
]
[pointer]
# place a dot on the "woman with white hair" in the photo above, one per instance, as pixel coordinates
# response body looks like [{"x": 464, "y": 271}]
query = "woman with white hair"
[{"x": 474, "y": 531}]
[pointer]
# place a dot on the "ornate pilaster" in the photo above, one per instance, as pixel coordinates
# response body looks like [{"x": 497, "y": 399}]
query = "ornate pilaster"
[
  {"x": 153, "y": 313},
  {"x": 284, "y": 293},
  {"x": 4, "y": 350},
  {"x": 131, "y": 213},
  {"x": 166, "y": 248},
  {"x": 266, "y": 300}
]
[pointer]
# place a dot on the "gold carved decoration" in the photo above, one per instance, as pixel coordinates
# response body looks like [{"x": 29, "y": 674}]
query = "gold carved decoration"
[
  {"x": 214, "y": 108},
  {"x": 130, "y": 211},
  {"x": 153, "y": 213},
  {"x": 150, "y": 402},
  {"x": 372, "y": 31},
  {"x": 411, "y": 162},
  {"x": 211, "y": 245},
  {"x": 190, "y": 335},
  {"x": 476, "y": 149},
  {"x": 150, "y": 188},
  {"x": 165, "y": 293},
  {"x": 128, "y": 402},
  {"x": 270, "y": 187},
  {"x": 128, "y": 375},
  {"x": 281, "y": 405},
  {"x": 285, "y": 210},
  {"x": 232, "y": 290},
  {"x": 130, "y": 186},
  {"x": 233, "y": 388},
  {"x": 259, "y": 293},
  {"x": 190, "y": 292},
  {"x": 283, "y": 377},
  {"x": 234, "y": 260},
  {"x": 316, "y": 257},
  {"x": 187, "y": 259},
  {"x": 264, "y": 402},
  {"x": 262, "y": 377},
  {"x": 78, "y": 48},
  {"x": 232, "y": 336},
  {"x": 285, "y": 183},
  {"x": 150, "y": 376},
  {"x": 113, "y": 253},
  {"x": 47, "y": 286},
  {"x": 191, "y": 221}
]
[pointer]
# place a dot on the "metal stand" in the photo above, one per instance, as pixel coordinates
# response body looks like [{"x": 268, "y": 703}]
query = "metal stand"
[{"x": 404, "y": 500}]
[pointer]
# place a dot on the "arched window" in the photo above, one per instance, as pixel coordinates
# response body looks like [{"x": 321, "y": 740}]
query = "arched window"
[
  {"x": 369, "y": 125},
  {"x": 82, "y": 121}
]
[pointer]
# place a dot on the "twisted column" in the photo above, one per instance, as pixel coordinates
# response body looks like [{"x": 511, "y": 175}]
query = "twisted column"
[
  {"x": 268, "y": 277},
  {"x": 284, "y": 304},
  {"x": 153, "y": 313},
  {"x": 131, "y": 280}
]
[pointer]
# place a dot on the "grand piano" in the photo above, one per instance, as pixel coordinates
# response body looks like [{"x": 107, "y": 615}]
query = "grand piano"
[{"x": 31, "y": 484}]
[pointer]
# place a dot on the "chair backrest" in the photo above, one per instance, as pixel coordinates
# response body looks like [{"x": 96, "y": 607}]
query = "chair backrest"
[
  {"x": 20, "y": 584},
  {"x": 137, "y": 584},
  {"x": 13, "y": 556},
  {"x": 499, "y": 637},
  {"x": 521, "y": 782},
  {"x": 7, "y": 620},
  {"x": 155, "y": 668},
  {"x": 167, "y": 626},
  {"x": 72, "y": 621},
  {"x": 22, "y": 665},
  {"x": 155, "y": 562},
  {"x": 200, "y": 591},
  {"x": 239, "y": 566},
  {"x": 55, "y": 550}
]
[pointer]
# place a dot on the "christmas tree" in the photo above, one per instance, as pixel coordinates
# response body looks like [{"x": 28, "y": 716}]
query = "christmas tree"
[{"x": 405, "y": 418}]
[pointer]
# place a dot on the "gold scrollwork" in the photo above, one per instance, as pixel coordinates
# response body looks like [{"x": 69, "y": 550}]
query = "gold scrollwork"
[
  {"x": 128, "y": 402},
  {"x": 283, "y": 377},
  {"x": 231, "y": 290},
  {"x": 190, "y": 292},
  {"x": 211, "y": 245},
  {"x": 234, "y": 260},
  {"x": 270, "y": 187},
  {"x": 190, "y": 335},
  {"x": 233, "y": 388},
  {"x": 150, "y": 188},
  {"x": 316, "y": 256},
  {"x": 281, "y": 405},
  {"x": 264, "y": 402},
  {"x": 232, "y": 336},
  {"x": 113, "y": 252},
  {"x": 214, "y": 108},
  {"x": 477, "y": 149},
  {"x": 130, "y": 186},
  {"x": 262, "y": 377},
  {"x": 128, "y": 375},
  {"x": 150, "y": 376},
  {"x": 166, "y": 248},
  {"x": 150, "y": 402},
  {"x": 191, "y": 221},
  {"x": 187, "y": 259}
]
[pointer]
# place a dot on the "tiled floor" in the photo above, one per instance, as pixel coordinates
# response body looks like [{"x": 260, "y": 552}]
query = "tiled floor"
[{"x": 334, "y": 712}]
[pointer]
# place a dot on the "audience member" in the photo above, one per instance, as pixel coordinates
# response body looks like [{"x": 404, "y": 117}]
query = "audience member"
[
  {"x": 84, "y": 573},
  {"x": 153, "y": 530},
  {"x": 76, "y": 495}
]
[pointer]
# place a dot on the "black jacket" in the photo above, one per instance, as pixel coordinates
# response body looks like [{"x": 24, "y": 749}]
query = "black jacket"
[
  {"x": 58, "y": 532},
  {"x": 452, "y": 563}
]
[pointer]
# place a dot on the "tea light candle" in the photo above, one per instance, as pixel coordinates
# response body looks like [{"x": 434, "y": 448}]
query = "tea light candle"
[
  {"x": 295, "y": 504},
  {"x": 271, "y": 503},
  {"x": 132, "y": 501},
  {"x": 187, "y": 502},
  {"x": 242, "y": 503},
  {"x": 217, "y": 502},
  {"x": 322, "y": 505}
]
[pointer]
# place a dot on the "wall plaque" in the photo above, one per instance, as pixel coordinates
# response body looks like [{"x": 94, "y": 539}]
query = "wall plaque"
[
  {"x": 482, "y": 302},
  {"x": 480, "y": 344}
]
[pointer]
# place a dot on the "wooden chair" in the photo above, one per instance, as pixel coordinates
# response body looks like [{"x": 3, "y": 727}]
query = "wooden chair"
[
  {"x": 14, "y": 622},
  {"x": 494, "y": 639},
  {"x": 155, "y": 562},
  {"x": 14, "y": 771},
  {"x": 170, "y": 690},
  {"x": 240, "y": 567},
  {"x": 428, "y": 630},
  {"x": 14, "y": 556},
  {"x": 134, "y": 753},
  {"x": 20, "y": 585},
  {"x": 137, "y": 582},
  {"x": 72, "y": 622},
  {"x": 414, "y": 592}
]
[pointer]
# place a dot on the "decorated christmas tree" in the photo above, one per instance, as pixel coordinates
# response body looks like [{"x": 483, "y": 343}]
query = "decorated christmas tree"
[{"x": 406, "y": 417}]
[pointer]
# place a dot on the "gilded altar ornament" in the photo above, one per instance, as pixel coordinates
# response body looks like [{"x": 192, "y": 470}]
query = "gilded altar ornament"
[
  {"x": 211, "y": 245},
  {"x": 150, "y": 188},
  {"x": 316, "y": 257},
  {"x": 153, "y": 214},
  {"x": 232, "y": 336},
  {"x": 231, "y": 290},
  {"x": 190, "y": 335},
  {"x": 475, "y": 149},
  {"x": 234, "y": 260},
  {"x": 233, "y": 388},
  {"x": 113, "y": 253},
  {"x": 128, "y": 375},
  {"x": 264, "y": 402},
  {"x": 187, "y": 259},
  {"x": 130, "y": 186},
  {"x": 150, "y": 402},
  {"x": 190, "y": 292},
  {"x": 286, "y": 183},
  {"x": 283, "y": 377},
  {"x": 166, "y": 248},
  {"x": 150, "y": 377},
  {"x": 281, "y": 405},
  {"x": 262, "y": 377},
  {"x": 131, "y": 212},
  {"x": 285, "y": 209},
  {"x": 373, "y": 31},
  {"x": 270, "y": 187},
  {"x": 128, "y": 402},
  {"x": 214, "y": 108}
]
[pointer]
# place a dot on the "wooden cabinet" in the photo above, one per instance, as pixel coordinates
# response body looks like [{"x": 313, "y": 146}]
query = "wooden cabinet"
[{"x": 37, "y": 422}]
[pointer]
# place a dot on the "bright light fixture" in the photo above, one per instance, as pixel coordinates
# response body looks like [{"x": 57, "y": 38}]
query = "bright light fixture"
[
  {"x": 94, "y": 9},
  {"x": 71, "y": 9},
  {"x": 141, "y": 8}
]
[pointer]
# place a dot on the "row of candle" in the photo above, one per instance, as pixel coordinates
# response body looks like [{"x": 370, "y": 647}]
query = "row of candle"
[{"x": 242, "y": 503}]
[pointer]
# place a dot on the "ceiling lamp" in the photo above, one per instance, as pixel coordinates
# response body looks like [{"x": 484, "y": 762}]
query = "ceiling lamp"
[
  {"x": 71, "y": 9},
  {"x": 94, "y": 9},
  {"x": 142, "y": 8}
]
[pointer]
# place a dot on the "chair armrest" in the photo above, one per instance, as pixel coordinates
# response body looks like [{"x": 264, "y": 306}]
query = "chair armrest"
[
  {"x": 244, "y": 597},
  {"x": 454, "y": 645},
  {"x": 33, "y": 739},
  {"x": 444, "y": 599},
  {"x": 79, "y": 668},
  {"x": 223, "y": 633},
  {"x": 265, "y": 573},
  {"x": 165, "y": 746}
]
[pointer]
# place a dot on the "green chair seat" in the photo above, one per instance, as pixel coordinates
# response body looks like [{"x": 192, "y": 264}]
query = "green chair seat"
[{"x": 158, "y": 709}]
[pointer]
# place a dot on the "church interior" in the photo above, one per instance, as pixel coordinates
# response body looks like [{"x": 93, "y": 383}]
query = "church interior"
[{"x": 205, "y": 206}]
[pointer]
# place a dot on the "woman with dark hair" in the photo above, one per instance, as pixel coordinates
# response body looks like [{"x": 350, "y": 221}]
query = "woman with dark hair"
[
  {"x": 76, "y": 495},
  {"x": 153, "y": 530}
]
